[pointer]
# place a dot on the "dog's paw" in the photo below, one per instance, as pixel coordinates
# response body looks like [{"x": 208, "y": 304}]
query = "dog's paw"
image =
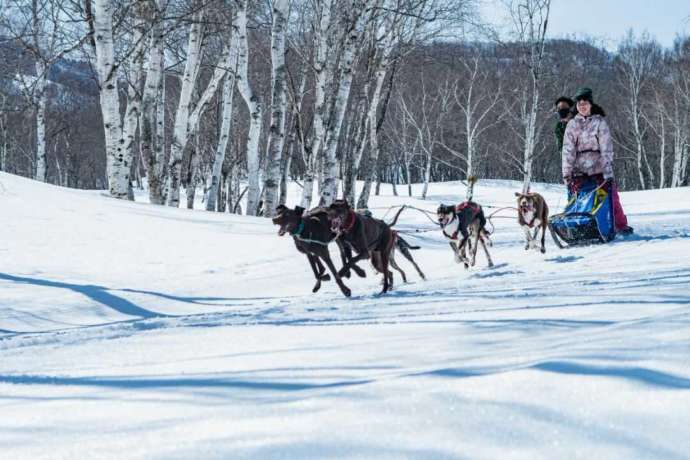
[
  {"x": 543, "y": 250},
  {"x": 527, "y": 247},
  {"x": 316, "y": 287},
  {"x": 346, "y": 291},
  {"x": 325, "y": 277}
]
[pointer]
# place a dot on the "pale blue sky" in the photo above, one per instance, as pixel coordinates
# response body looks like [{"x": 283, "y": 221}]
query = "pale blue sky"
[{"x": 609, "y": 20}]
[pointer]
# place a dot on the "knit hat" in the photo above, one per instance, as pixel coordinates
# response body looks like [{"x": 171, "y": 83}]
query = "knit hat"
[{"x": 584, "y": 93}]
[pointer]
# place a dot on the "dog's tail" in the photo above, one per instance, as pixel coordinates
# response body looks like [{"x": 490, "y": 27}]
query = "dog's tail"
[{"x": 397, "y": 214}]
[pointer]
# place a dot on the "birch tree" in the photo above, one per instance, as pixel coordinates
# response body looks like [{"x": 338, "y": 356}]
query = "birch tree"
[
  {"x": 40, "y": 30},
  {"x": 253, "y": 102},
  {"x": 152, "y": 142},
  {"x": 425, "y": 114},
  {"x": 181, "y": 129},
  {"x": 117, "y": 166},
  {"x": 477, "y": 99},
  {"x": 213, "y": 180},
  {"x": 530, "y": 18},
  {"x": 276, "y": 135},
  {"x": 351, "y": 38},
  {"x": 322, "y": 27},
  {"x": 637, "y": 64},
  {"x": 680, "y": 109}
]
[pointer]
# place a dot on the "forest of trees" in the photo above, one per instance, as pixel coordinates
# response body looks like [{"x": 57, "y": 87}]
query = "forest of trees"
[{"x": 234, "y": 98}]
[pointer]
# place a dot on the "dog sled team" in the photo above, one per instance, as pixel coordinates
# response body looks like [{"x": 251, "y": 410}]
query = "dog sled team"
[{"x": 593, "y": 212}]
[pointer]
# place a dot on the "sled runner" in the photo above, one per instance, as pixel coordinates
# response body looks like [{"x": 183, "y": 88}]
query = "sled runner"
[{"x": 587, "y": 218}]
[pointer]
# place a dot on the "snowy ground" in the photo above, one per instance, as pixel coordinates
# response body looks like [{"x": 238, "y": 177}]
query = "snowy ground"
[{"x": 134, "y": 331}]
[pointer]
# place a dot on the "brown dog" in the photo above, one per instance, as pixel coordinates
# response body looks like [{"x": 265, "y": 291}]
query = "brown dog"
[
  {"x": 371, "y": 238},
  {"x": 533, "y": 214}
]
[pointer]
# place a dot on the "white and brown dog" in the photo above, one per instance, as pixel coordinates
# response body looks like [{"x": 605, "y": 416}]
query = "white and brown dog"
[
  {"x": 533, "y": 215},
  {"x": 465, "y": 220}
]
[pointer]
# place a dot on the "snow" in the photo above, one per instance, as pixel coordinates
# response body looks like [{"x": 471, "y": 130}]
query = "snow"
[{"x": 136, "y": 331}]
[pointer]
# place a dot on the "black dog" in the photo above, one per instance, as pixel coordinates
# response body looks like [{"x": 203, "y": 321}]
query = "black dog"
[
  {"x": 311, "y": 234},
  {"x": 466, "y": 219}
]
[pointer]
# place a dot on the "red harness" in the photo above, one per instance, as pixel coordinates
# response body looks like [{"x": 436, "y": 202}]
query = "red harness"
[
  {"x": 350, "y": 222},
  {"x": 476, "y": 209}
]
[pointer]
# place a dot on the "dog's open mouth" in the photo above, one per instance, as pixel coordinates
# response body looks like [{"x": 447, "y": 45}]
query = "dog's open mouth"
[
  {"x": 282, "y": 230},
  {"x": 335, "y": 224}
]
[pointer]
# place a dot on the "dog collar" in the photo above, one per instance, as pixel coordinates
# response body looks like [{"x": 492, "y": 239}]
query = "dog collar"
[
  {"x": 351, "y": 219},
  {"x": 300, "y": 229}
]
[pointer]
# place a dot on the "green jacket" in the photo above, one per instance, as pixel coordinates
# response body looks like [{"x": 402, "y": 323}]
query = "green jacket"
[{"x": 560, "y": 132}]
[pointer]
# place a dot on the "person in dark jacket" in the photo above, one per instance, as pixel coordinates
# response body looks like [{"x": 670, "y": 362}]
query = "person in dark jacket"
[{"x": 564, "y": 109}]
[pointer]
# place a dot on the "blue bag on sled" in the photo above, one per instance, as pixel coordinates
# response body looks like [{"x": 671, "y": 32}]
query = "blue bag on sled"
[{"x": 587, "y": 218}]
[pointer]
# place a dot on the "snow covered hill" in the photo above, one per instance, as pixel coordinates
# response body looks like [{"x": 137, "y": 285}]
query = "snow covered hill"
[{"x": 135, "y": 331}]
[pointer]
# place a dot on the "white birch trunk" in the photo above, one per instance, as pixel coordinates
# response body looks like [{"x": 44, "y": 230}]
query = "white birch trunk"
[
  {"x": 530, "y": 136},
  {"x": 213, "y": 181},
  {"x": 134, "y": 95},
  {"x": 117, "y": 168},
  {"x": 255, "y": 116},
  {"x": 276, "y": 136},
  {"x": 151, "y": 101},
  {"x": 321, "y": 79},
  {"x": 637, "y": 134},
  {"x": 41, "y": 102},
  {"x": 678, "y": 152},
  {"x": 427, "y": 175},
  {"x": 181, "y": 130},
  {"x": 370, "y": 173},
  {"x": 329, "y": 186},
  {"x": 160, "y": 149},
  {"x": 662, "y": 151}
]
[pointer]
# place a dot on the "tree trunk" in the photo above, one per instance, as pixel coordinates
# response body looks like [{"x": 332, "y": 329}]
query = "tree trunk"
[
  {"x": 152, "y": 127},
  {"x": 181, "y": 130},
  {"x": 427, "y": 175},
  {"x": 117, "y": 164},
  {"x": 276, "y": 135},
  {"x": 213, "y": 181},
  {"x": 329, "y": 186},
  {"x": 321, "y": 75},
  {"x": 254, "y": 106},
  {"x": 41, "y": 166}
]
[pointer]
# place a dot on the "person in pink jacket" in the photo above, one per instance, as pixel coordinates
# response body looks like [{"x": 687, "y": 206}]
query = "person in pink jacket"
[{"x": 588, "y": 153}]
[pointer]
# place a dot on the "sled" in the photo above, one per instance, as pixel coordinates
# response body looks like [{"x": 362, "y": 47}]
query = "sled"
[{"x": 587, "y": 218}]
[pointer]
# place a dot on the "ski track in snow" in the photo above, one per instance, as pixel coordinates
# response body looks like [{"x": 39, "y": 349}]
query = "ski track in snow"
[{"x": 195, "y": 335}]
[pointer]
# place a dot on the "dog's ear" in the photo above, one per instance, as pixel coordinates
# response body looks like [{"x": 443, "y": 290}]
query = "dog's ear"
[
  {"x": 299, "y": 210},
  {"x": 518, "y": 194},
  {"x": 280, "y": 208}
]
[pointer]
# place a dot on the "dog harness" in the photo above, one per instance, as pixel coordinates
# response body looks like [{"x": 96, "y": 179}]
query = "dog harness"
[
  {"x": 476, "y": 209},
  {"x": 351, "y": 218},
  {"x": 297, "y": 234}
]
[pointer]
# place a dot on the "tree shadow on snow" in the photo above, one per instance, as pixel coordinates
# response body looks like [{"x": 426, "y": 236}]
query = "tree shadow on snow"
[
  {"x": 633, "y": 373},
  {"x": 99, "y": 294}
]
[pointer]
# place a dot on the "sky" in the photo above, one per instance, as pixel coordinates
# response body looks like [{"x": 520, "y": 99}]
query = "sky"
[{"x": 609, "y": 20}]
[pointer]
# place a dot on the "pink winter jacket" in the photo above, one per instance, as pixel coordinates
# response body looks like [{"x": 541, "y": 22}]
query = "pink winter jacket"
[{"x": 587, "y": 147}]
